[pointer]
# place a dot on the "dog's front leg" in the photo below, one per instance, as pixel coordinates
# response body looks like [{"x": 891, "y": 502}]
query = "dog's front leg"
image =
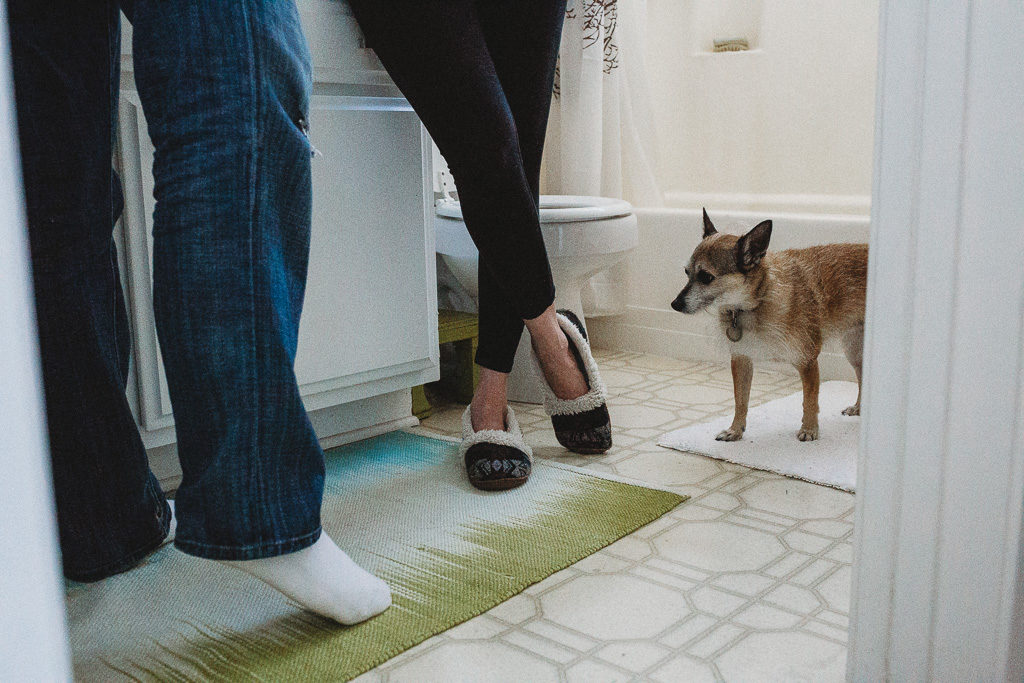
[
  {"x": 742, "y": 373},
  {"x": 810, "y": 380}
]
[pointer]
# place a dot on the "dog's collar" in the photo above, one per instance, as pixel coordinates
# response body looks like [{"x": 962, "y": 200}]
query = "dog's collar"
[{"x": 734, "y": 332}]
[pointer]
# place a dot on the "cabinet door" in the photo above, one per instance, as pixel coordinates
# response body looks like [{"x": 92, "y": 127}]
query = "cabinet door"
[
  {"x": 370, "y": 319},
  {"x": 134, "y": 160},
  {"x": 369, "y": 324}
]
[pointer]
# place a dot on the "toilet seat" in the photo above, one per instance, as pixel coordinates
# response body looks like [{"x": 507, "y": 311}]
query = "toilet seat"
[{"x": 558, "y": 208}]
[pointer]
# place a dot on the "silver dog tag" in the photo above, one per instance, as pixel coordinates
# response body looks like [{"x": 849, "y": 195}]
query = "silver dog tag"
[{"x": 734, "y": 331}]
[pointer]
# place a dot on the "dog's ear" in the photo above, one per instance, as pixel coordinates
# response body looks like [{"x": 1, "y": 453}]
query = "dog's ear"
[
  {"x": 709, "y": 227},
  {"x": 751, "y": 247}
]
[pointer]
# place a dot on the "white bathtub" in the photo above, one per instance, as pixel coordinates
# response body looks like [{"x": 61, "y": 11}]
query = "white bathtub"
[{"x": 655, "y": 275}]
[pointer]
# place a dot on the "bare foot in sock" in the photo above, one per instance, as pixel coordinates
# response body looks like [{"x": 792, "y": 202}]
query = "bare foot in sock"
[
  {"x": 559, "y": 366},
  {"x": 323, "y": 579}
]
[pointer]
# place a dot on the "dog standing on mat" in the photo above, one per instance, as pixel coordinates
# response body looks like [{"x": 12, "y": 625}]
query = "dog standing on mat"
[{"x": 778, "y": 306}]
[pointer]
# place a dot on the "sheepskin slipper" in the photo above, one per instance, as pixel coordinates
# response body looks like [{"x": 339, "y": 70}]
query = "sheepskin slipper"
[
  {"x": 581, "y": 424},
  {"x": 495, "y": 460}
]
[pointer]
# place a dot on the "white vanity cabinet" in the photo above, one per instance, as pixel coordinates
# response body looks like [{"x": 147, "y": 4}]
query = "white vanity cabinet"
[{"x": 369, "y": 324}]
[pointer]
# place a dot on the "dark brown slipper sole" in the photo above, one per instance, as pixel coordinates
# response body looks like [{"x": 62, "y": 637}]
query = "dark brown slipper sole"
[{"x": 499, "y": 484}]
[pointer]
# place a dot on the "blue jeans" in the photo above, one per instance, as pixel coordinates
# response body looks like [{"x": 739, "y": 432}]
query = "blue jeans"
[
  {"x": 479, "y": 73},
  {"x": 225, "y": 89}
]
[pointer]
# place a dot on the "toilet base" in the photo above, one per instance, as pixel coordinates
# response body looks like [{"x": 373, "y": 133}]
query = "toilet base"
[{"x": 525, "y": 385}]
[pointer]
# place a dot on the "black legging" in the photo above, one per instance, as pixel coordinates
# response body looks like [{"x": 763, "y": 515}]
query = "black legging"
[{"x": 479, "y": 74}]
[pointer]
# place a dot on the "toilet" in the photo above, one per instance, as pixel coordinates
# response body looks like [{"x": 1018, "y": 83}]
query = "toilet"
[{"x": 583, "y": 236}]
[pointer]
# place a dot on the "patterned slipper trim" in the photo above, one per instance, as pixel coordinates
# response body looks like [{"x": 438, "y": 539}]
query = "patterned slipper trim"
[{"x": 492, "y": 456}]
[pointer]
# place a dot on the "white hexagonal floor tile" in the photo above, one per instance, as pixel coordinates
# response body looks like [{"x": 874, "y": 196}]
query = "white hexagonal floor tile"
[
  {"x": 684, "y": 668},
  {"x": 798, "y": 499},
  {"x": 621, "y": 379},
  {"x": 836, "y": 589},
  {"x": 766, "y": 618},
  {"x": 479, "y": 662},
  {"x": 718, "y": 546},
  {"x": 694, "y": 394},
  {"x": 783, "y": 657},
  {"x": 630, "y": 416},
  {"x": 657, "y": 363},
  {"x": 613, "y": 607},
  {"x": 589, "y": 671},
  {"x": 515, "y": 610},
  {"x": 793, "y": 598},
  {"x": 668, "y": 467},
  {"x": 633, "y": 655},
  {"x": 630, "y": 547}
]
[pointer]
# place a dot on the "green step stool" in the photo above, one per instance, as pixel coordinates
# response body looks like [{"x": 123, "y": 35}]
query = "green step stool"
[{"x": 462, "y": 331}]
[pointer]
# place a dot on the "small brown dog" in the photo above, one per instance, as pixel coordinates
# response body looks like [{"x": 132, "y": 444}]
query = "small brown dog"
[{"x": 779, "y": 306}]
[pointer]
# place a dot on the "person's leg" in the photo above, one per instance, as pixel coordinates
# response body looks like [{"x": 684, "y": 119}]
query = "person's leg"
[
  {"x": 225, "y": 89},
  {"x": 438, "y": 55},
  {"x": 522, "y": 38},
  {"x": 110, "y": 510}
]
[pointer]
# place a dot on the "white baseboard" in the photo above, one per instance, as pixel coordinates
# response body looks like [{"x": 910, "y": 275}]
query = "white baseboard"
[
  {"x": 368, "y": 432},
  {"x": 670, "y": 334}
]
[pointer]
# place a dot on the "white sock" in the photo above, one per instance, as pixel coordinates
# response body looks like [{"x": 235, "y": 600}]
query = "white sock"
[
  {"x": 174, "y": 524},
  {"x": 323, "y": 579}
]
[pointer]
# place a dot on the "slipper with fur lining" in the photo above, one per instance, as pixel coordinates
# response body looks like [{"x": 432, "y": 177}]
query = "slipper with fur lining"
[
  {"x": 495, "y": 460},
  {"x": 581, "y": 424}
]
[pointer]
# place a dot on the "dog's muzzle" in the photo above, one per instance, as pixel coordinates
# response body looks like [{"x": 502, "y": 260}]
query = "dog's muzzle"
[{"x": 679, "y": 303}]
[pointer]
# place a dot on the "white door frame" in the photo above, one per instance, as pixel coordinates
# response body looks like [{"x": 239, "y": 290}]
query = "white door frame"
[
  {"x": 937, "y": 570},
  {"x": 33, "y": 639}
]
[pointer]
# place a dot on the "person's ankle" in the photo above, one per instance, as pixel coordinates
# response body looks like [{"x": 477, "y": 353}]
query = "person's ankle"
[
  {"x": 487, "y": 409},
  {"x": 487, "y": 412},
  {"x": 552, "y": 345},
  {"x": 560, "y": 368}
]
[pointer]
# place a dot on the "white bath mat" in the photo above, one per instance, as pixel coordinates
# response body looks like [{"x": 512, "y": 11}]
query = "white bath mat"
[{"x": 770, "y": 441}]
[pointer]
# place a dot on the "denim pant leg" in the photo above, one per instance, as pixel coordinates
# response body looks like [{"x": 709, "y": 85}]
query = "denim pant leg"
[
  {"x": 225, "y": 89},
  {"x": 110, "y": 509}
]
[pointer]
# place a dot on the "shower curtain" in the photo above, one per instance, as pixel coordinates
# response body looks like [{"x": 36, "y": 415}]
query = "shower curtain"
[{"x": 601, "y": 135}]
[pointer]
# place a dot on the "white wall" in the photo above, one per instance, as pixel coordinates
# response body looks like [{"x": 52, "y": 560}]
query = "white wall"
[
  {"x": 33, "y": 646},
  {"x": 784, "y": 131},
  {"x": 794, "y": 116}
]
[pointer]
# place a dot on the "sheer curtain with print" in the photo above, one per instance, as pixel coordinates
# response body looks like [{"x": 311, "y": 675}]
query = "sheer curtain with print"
[{"x": 601, "y": 138}]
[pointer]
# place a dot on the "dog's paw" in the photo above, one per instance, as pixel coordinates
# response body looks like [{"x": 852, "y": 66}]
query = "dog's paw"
[
  {"x": 852, "y": 410},
  {"x": 730, "y": 434},
  {"x": 807, "y": 434}
]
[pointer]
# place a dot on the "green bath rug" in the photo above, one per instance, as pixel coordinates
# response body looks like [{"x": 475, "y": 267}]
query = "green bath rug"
[{"x": 401, "y": 506}]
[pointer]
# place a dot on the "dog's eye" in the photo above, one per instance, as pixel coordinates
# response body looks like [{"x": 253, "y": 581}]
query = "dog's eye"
[{"x": 704, "y": 277}]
